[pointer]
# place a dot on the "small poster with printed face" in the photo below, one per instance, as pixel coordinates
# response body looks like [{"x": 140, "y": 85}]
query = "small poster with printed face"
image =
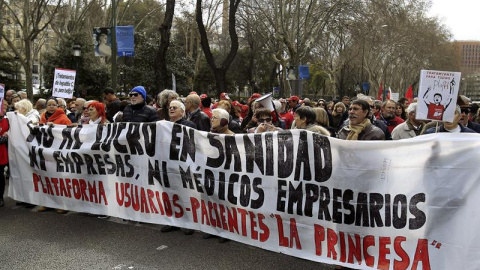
[
  {"x": 437, "y": 95},
  {"x": 64, "y": 83},
  {"x": 2, "y": 96}
]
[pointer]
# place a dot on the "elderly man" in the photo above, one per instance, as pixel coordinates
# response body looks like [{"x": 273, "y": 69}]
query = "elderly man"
[
  {"x": 195, "y": 114},
  {"x": 359, "y": 126},
  {"x": 388, "y": 115},
  {"x": 79, "y": 104},
  {"x": 410, "y": 128},
  {"x": 138, "y": 110}
]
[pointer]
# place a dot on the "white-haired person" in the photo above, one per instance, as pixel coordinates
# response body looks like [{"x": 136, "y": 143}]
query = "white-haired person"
[
  {"x": 176, "y": 112},
  {"x": 25, "y": 107}
]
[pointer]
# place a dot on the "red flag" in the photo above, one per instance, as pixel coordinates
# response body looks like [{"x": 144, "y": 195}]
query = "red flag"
[
  {"x": 380, "y": 92},
  {"x": 409, "y": 94},
  {"x": 389, "y": 91}
]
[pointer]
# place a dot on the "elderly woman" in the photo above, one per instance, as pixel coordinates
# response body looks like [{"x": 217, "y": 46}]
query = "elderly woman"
[
  {"x": 305, "y": 118},
  {"x": 96, "y": 113},
  {"x": 25, "y": 108},
  {"x": 54, "y": 114},
  {"x": 57, "y": 116},
  {"x": 163, "y": 103}
]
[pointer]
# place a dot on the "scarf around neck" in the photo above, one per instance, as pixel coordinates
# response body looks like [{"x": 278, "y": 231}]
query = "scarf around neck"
[{"x": 355, "y": 130}]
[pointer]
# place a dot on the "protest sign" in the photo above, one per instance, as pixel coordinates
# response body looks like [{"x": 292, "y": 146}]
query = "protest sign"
[
  {"x": 2, "y": 96},
  {"x": 408, "y": 204},
  {"x": 437, "y": 95},
  {"x": 64, "y": 83}
]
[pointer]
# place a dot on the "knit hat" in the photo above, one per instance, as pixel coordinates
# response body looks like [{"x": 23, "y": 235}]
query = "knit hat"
[{"x": 141, "y": 90}]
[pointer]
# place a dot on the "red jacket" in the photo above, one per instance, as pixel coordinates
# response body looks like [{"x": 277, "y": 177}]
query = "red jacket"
[
  {"x": 3, "y": 146},
  {"x": 58, "y": 117}
]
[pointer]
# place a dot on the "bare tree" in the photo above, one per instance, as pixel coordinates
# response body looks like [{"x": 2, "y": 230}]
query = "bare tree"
[
  {"x": 219, "y": 71},
  {"x": 31, "y": 18},
  {"x": 161, "y": 75}
]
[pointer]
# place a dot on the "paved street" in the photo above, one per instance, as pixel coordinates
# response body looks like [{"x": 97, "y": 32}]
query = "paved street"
[{"x": 32, "y": 240}]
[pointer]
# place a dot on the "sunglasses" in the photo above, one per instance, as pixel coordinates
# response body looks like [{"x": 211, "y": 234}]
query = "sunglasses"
[
  {"x": 466, "y": 111},
  {"x": 174, "y": 108},
  {"x": 133, "y": 94},
  {"x": 262, "y": 120}
]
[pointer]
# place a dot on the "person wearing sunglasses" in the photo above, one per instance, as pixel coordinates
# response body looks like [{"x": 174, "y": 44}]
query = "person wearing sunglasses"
[
  {"x": 263, "y": 118},
  {"x": 465, "y": 118},
  {"x": 176, "y": 111},
  {"x": 138, "y": 110}
]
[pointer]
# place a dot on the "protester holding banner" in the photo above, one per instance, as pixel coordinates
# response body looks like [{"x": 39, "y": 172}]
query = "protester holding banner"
[
  {"x": 359, "y": 126},
  {"x": 177, "y": 114},
  {"x": 25, "y": 107},
  {"x": 54, "y": 114},
  {"x": 96, "y": 113},
  {"x": 219, "y": 122},
  {"x": 138, "y": 110},
  {"x": 3, "y": 148}
]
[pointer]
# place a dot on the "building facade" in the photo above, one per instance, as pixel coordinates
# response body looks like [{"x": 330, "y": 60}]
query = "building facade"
[{"x": 469, "y": 60}]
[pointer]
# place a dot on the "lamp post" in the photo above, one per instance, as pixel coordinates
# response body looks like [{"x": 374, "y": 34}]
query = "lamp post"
[
  {"x": 16, "y": 72},
  {"x": 77, "y": 52}
]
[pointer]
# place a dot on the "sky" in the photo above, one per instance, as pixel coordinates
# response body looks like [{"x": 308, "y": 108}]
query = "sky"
[{"x": 461, "y": 17}]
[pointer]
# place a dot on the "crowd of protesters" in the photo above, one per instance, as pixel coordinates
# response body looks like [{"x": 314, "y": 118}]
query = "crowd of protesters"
[{"x": 362, "y": 118}]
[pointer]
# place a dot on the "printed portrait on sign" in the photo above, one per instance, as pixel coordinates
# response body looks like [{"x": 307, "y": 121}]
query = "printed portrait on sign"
[{"x": 102, "y": 41}]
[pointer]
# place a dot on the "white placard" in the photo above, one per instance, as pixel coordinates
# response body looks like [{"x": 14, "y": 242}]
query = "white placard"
[
  {"x": 394, "y": 96},
  {"x": 64, "y": 83},
  {"x": 437, "y": 95}
]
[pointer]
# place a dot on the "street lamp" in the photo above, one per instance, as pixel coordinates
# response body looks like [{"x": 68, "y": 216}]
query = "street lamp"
[{"x": 77, "y": 52}]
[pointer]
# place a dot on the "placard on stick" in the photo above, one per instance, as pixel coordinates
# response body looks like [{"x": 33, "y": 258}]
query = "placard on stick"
[
  {"x": 437, "y": 95},
  {"x": 64, "y": 83}
]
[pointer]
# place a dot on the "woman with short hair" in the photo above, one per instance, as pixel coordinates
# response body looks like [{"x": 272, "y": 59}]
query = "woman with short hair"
[{"x": 25, "y": 108}]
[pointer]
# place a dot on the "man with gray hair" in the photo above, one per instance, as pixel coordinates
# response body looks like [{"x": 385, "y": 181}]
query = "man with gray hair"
[
  {"x": 452, "y": 127},
  {"x": 194, "y": 114},
  {"x": 410, "y": 128}
]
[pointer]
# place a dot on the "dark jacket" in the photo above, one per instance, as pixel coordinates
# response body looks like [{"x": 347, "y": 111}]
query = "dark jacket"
[
  {"x": 112, "y": 108},
  {"x": 186, "y": 123},
  {"x": 200, "y": 119},
  {"x": 442, "y": 129},
  {"x": 473, "y": 126},
  {"x": 139, "y": 113}
]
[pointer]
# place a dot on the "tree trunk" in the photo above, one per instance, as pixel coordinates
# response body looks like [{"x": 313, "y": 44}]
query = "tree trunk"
[
  {"x": 220, "y": 72},
  {"x": 161, "y": 73}
]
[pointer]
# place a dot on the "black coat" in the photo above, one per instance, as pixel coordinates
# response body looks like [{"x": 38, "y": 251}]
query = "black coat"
[
  {"x": 201, "y": 120},
  {"x": 139, "y": 113}
]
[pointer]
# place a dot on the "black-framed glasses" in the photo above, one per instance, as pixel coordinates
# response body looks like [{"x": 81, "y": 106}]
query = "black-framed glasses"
[
  {"x": 133, "y": 94},
  {"x": 262, "y": 120}
]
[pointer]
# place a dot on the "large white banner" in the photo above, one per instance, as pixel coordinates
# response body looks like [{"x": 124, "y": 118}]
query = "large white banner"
[{"x": 408, "y": 204}]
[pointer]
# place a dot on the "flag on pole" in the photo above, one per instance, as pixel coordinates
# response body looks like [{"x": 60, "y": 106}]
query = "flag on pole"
[
  {"x": 380, "y": 92},
  {"x": 389, "y": 92},
  {"x": 409, "y": 94}
]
